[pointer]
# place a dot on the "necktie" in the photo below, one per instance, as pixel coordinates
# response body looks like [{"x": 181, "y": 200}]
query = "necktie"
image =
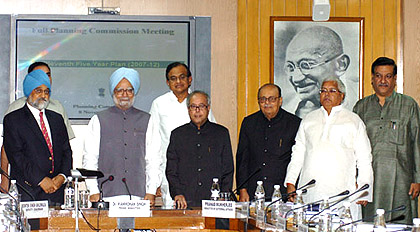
[{"x": 47, "y": 139}]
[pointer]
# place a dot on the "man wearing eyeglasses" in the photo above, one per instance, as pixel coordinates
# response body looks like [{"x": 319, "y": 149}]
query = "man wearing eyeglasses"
[
  {"x": 121, "y": 141},
  {"x": 392, "y": 120},
  {"x": 169, "y": 111},
  {"x": 333, "y": 148},
  {"x": 37, "y": 144},
  {"x": 265, "y": 144},
  {"x": 198, "y": 152},
  {"x": 53, "y": 105},
  {"x": 313, "y": 54}
]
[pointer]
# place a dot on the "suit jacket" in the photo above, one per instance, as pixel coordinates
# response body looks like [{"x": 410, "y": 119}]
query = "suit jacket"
[{"x": 29, "y": 155}]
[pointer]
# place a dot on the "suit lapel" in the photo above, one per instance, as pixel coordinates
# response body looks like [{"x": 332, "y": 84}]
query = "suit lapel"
[{"x": 33, "y": 125}]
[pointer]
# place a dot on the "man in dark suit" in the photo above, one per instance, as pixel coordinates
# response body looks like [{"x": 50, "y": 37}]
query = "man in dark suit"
[{"x": 37, "y": 144}]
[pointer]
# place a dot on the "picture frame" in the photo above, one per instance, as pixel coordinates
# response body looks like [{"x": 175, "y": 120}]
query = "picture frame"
[{"x": 304, "y": 53}]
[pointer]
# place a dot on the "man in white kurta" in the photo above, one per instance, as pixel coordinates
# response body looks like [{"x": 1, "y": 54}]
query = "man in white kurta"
[
  {"x": 333, "y": 148},
  {"x": 170, "y": 111}
]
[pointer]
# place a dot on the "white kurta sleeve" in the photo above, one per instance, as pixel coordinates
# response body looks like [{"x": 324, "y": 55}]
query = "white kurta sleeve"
[
  {"x": 153, "y": 159},
  {"x": 298, "y": 156},
  {"x": 363, "y": 154},
  {"x": 91, "y": 151},
  {"x": 156, "y": 123}
]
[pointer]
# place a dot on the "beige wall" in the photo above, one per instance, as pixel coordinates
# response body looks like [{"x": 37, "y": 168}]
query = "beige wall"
[{"x": 223, "y": 44}]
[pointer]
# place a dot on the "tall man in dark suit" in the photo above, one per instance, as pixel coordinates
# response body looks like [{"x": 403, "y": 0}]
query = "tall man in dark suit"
[{"x": 37, "y": 144}]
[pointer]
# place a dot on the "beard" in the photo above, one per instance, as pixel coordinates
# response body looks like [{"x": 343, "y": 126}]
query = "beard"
[
  {"x": 123, "y": 103},
  {"x": 40, "y": 103}
]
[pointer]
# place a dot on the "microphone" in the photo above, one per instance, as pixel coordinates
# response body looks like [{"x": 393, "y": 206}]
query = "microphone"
[
  {"x": 399, "y": 208},
  {"x": 101, "y": 203},
  {"x": 243, "y": 183},
  {"x": 110, "y": 178},
  {"x": 2, "y": 172},
  {"x": 364, "y": 187},
  {"x": 301, "y": 187},
  {"x": 126, "y": 186},
  {"x": 306, "y": 205}
]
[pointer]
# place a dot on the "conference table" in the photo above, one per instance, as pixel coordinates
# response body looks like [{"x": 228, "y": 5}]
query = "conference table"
[{"x": 161, "y": 220}]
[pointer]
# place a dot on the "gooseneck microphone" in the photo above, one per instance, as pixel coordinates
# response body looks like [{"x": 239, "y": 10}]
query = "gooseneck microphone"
[
  {"x": 364, "y": 187},
  {"x": 101, "y": 203},
  {"x": 399, "y": 208},
  {"x": 243, "y": 183},
  {"x": 126, "y": 186},
  {"x": 315, "y": 202}
]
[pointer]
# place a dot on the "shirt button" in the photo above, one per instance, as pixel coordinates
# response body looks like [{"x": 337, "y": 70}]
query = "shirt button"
[
  {"x": 199, "y": 183},
  {"x": 126, "y": 171},
  {"x": 199, "y": 169},
  {"x": 50, "y": 158},
  {"x": 198, "y": 132},
  {"x": 265, "y": 150},
  {"x": 265, "y": 138},
  {"x": 263, "y": 164},
  {"x": 125, "y": 158},
  {"x": 380, "y": 127},
  {"x": 265, "y": 178},
  {"x": 50, "y": 171},
  {"x": 125, "y": 118},
  {"x": 125, "y": 131},
  {"x": 269, "y": 125},
  {"x": 198, "y": 145},
  {"x": 199, "y": 156},
  {"x": 382, "y": 118},
  {"x": 125, "y": 144}
]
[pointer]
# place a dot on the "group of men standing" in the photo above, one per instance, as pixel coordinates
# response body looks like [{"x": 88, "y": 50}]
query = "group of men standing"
[{"x": 177, "y": 149}]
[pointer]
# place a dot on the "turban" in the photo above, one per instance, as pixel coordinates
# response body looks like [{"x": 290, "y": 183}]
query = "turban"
[
  {"x": 128, "y": 73},
  {"x": 35, "y": 79}
]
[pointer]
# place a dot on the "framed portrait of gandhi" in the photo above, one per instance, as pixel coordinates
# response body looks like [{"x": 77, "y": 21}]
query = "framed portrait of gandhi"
[{"x": 304, "y": 53}]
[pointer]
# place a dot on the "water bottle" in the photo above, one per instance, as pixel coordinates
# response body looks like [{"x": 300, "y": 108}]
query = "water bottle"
[
  {"x": 215, "y": 190},
  {"x": 346, "y": 218},
  {"x": 69, "y": 194},
  {"x": 416, "y": 225},
  {"x": 13, "y": 191},
  {"x": 324, "y": 224},
  {"x": 379, "y": 223},
  {"x": 275, "y": 209},
  {"x": 299, "y": 214},
  {"x": 260, "y": 201}
]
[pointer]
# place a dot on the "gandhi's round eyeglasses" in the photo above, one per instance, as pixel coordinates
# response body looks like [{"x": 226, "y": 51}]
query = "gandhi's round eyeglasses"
[{"x": 305, "y": 66}]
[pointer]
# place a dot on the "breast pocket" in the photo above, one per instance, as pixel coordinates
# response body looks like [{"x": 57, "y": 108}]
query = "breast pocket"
[{"x": 397, "y": 130}]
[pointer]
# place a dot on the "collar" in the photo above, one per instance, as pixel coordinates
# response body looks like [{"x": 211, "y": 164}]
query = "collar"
[
  {"x": 278, "y": 116},
  {"x": 174, "y": 98},
  {"x": 34, "y": 110},
  {"x": 203, "y": 127},
  {"x": 387, "y": 99},
  {"x": 334, "y": 110}
]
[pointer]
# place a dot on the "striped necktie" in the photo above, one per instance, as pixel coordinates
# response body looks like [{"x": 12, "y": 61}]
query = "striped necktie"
[{"x": 47, "y": 139}]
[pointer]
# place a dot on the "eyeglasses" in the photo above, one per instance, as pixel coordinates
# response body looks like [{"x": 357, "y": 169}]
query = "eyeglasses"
[
  {"x": 128, "y": 91},
  {"x": 180, "y": 78},
  {"x": 305, "y": 66},
  {"x": 197, "y": 107},
  {"x": 39, "y": 91},
  {"x": 324, "y": 91},
  {"x": 270, "y": 99}
]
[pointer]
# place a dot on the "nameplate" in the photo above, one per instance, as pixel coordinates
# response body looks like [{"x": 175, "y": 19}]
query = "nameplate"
[
  {"x": 303, "y": 228},
  {"x": 281, "y": 223},
  {"x": 35, "y": 209},
  {"x": 133, "y": 208},
  {"x": 218, "y": 209}
]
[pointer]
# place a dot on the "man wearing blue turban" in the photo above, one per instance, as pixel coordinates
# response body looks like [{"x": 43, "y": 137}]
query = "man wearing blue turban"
[
  {"x": 37, "y": 144},
  {"x": 122, "y": 142}
]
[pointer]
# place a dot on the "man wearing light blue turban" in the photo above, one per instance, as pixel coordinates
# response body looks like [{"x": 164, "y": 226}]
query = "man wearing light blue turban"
[
  {"x": 37, "y": 144},
  {"x": 122, "y": 142}
]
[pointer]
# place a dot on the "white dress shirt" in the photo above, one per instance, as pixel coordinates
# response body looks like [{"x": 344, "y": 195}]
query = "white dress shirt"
[
  {"x": 153, "y": 161},
  {"x": 328, "y": 149},
  {"x": 167, "y": 113}
]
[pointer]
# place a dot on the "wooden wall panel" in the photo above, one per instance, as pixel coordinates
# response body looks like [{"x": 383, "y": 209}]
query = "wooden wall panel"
[{"x": 381, "y": 37}]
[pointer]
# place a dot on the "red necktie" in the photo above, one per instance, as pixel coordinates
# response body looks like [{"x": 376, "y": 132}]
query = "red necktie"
[{"x": 47, "y": 139}]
